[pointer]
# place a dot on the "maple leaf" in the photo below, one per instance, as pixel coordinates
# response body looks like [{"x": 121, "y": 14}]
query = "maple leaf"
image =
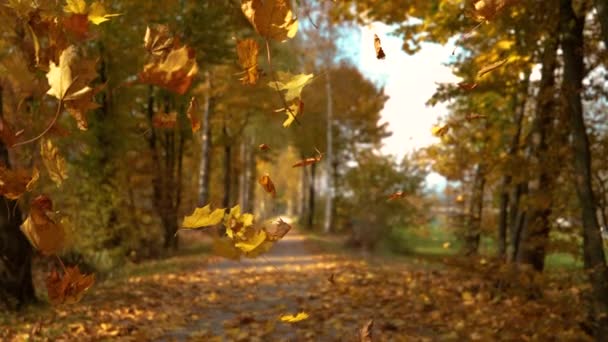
[
  {"x": 294, "y": 318},
  {"x": 43, "y": 232},
  {"x": 97, "y": 13},
  {"x": 292, "y": 84},
  {"x": 234, "y": 222},
  {"x": 75, "y": 6},
  {"x": 13, "y": 183},
  {"x": 440, "y": 131},
  {"x": 175, "y": 72},
  {"x": 55, "y": 164},
  {"x": 193, "y": 115},
  {"x": 225, "y": 248},
  {"x": 247, "y": 51},
  {"x": 203, "y": 217},
  {"x": 378, "y": 46},
  {"x": 60, "y": 76},
  {"x": 264, "y": 147},
  {"x": 309, "y": 161},
  {"x": 164, "y": 120},
  {"x": 281, "y": 229},
  {"x": 70, "y": 288},
  {"x": 268, "y": 185},
  {"x": 251, "y": 240},
  {"x": 272, "y": 19},
  {"x": 491, "y": 67},
  {"x": 365, "y": 333},
  {"x": 295, "y": 109}
]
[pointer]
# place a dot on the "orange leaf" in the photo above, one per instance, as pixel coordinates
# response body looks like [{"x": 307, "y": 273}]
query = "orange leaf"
[
  {"x": 467, "y": 86},
  {"x": 309, "y": 161},
  {"x": 13, "y": 183},
  {"x": 42, "y": 231},
  {"x": 281, "y": 229},
  {"x": 70, "y": 288},
  {"x": 268, "y": 185},
  {"x": 248, "y": 51},
  {"x": 164, "y": 120},
  {"x": 264, "y": 147},
  {"x": 396, "y": 195},
  {"x": 193, "y": 115}
]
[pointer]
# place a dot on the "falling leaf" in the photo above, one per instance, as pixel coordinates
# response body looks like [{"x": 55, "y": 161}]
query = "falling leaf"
[
  {"x": 467, "y": 86},
  {"x": 193, "y": 114},
  {"x": 272, "y": 19},
  {"x": 294, "y": 318},
  {"x": 55, "y": 164},
  {"x": 292, "y": 84},
  {"x": 487, "y": 10},
  {"x": 70, "y": 288},
  {"x": 440, "y": 131},
  {"x": 267, "y": 185},
  {"x": 234, "y": 222},
  {"x": 43, "y": 232},
  {"x": 13, "y": 183},
  {"x": 158, "y": 40},
  {"x": 264, "y": 147},
  {"x": 75, "y": 6},
  {"x": 365, "y": 333},
  {"x": 175, "y": 72},
  {"x": 248, "y": 51},
  {"x": 224, "y": 247},
  {"x": 60, "y": 76},
  {"x": 459, "y": 199},
  {"x": 332, "y": 279},
  {"x": 491, "y": 67},
  {"x": 379, "y": 52},
  {"x": 203, "y": 217},
  {"x": 446, "y": 245},
  {"x": 281, "y": 229},
  {"x": 97, "y": 13},
  {"x": 309, "y": 161},
  {"x": 164, "y": 120},
  {"x": 251, "y": 241},
  {"x": 396, "y": 195},
  {"x": 294, "y": 110}
]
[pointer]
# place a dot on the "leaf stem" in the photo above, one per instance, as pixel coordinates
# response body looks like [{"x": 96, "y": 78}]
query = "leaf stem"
[
  {"x": 276, "y": 84},
  {"x": 57, "y": 113}
]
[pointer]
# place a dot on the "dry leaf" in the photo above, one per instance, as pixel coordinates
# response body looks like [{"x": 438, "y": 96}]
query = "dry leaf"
[
  {"x": 467, "y": 86},
  {"x": 248, "y": 51},
  {"x": 70, "y": 288},
  {"x": 268, "y": 185},
  {"x": 158, "y": 40},
  {"x": 193, "y": 114},
  {"x": 43, "y": 232},
  {"x": 491, "y": 67},
  {"x": 365, "y": 333},
  {"x": 203, "y": 217},
  {"x": 396, "y": 195},
  {"x": 13, "y": 183},
  {"x": 487, "y": 10},
  {"x": 272, "y": 19},
  {"x": 332, "y": 279},
  {"x": 294, "y": 318},
  {"x": 55, "y": 164},
  {"x": 264, "y": 147},
  {"x": 281, "y": 229},
  {"x": 379, "y": 52},
  {"x": 309, "y": 161},
  {"x": 440, "y": 131},
  {"x": 175, "y": 72}
]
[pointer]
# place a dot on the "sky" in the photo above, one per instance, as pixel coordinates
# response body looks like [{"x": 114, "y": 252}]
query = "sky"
[{"x": 409, "y": 81}]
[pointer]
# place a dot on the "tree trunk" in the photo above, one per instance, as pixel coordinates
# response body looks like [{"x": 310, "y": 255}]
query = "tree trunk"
[
  {"x": 517, "y": 218},
  {"x": 601, "y": 6},
  {"x": 205, "y": 165},
  {"x": 473, "y": 228},
  {"x": 535, "y": 236},
  {"x": 571, "y": 27},
  {"x": 329, "y": 202},
  {"x": 251, "y": 178},
  {"x": 303, "y": 208},
  {"x": 503, "y": 222},
  {"x": 311, "y": 196},
  {"x": 227, "y": 168},
  {"x": 16, "y": 287}
]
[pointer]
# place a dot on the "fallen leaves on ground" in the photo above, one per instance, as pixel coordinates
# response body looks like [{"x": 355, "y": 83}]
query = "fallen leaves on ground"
[
  {"x": 300, "y": 316},
  {"x": 70, "y": 287},
  {"x": 194, "y": 297}
]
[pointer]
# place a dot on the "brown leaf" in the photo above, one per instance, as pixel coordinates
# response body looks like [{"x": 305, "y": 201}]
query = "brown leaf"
[
  {"x": 272, "y": 19},
  {"x": 194, "y": 115},
  {"x": 248, "y": 51},
  {"x": 365, "y": 333},
  {"x": 13, "y": 183},
  {"x": 175, "y": 72},
  {"x": 491, "y": 67},
  {"x": 70, "y": 288},
  {"x": 264, "y": 147},
  {"x": 332, "y": 279},
  {"x": 78, "y": 24},
  {"x": 396, "y": 195},
  {"x": 164, "y": 120},
  {"x": 281, "y": 229},
  {"x": 7, "y": 134},
  {"x": 309, "y": 161},
  {"x": 158, "y": 40},
  {"x": 467, "y": 86},
  {"x": 43, "y": 232},
  {"x": 379, "y": 52},
  {"x": 55, "y": 164},
  {"x": 268, "y": 185}
]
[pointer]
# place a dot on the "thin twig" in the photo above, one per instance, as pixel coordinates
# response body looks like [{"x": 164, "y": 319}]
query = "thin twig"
[{"x": 276, "y": 84}]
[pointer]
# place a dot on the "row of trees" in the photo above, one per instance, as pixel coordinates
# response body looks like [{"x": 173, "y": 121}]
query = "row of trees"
[{"x": 539, "y": 144}]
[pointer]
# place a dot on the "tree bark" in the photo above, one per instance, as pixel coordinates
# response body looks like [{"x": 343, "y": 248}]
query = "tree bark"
[
  {"x": 571, "y": 27},
  {"x": 329, "y": 201},
  {"x": 535, "y": 236},
  {"x": 311, "y": 197},
  {"x": 227, "y": 167},
  {"x": 519, "y": 105},
  {"x": 473, "y": 227},
  {"x": 205, "y": 165},
  {"x": 16, "y": 287}
]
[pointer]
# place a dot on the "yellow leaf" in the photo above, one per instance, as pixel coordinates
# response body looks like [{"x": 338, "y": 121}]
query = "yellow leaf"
[
  {"x": 248, "y": 50},
  {"x": 440, "y": 131},
  {"x": 75, "y": 6},
  {"x": 203, "y": 217},
  {"x": 491, "y": 67},
  {"x": 252, "y": 242},
  {"x": 55, "y": 164},
  {"x": 273, "y": 19},
  {"x": 294, "y": 318},
  {"x": 97, "y": 14},
  {"x": 292, "y": 84},
  {"x": 225, "y": 248}
]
